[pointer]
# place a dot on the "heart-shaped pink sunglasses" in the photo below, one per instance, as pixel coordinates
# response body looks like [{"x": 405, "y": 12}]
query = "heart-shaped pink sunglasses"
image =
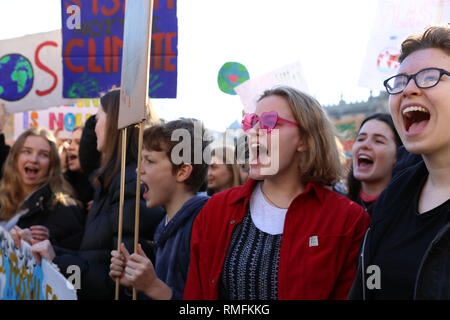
[{"x": 267, "y": 121}]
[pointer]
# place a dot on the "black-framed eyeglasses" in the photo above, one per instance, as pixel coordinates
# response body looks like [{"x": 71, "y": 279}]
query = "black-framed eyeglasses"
[{"x": 425, "y": 78}]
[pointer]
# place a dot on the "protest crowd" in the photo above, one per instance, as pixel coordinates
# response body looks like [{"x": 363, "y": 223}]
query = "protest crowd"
[{"x": 284, "y": 219}]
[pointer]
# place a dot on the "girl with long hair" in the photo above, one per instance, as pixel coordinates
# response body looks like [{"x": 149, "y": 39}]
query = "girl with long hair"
[
  {"x": 101, "y": 231},
  {"x": 374, "y": 155},
  {"x": 34, "y": 194}
]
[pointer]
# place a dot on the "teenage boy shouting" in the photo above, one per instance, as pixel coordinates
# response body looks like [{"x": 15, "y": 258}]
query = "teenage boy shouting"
[{"x": 173, "y": 186}]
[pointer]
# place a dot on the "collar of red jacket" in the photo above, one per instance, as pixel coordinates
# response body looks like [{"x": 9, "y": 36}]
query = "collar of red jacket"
[{"x": 245, "y": 191}]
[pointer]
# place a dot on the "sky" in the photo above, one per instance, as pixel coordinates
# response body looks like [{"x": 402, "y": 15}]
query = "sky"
[{"x": 329, "y": 38}]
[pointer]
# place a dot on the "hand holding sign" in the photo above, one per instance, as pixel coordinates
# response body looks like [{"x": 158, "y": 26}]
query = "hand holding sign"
[
  {"x": 117, "y": 266},
  {"x": 141, "y": 274},
  {"x": 19, "y": 234},
  {"x": 43, "y": 249}
]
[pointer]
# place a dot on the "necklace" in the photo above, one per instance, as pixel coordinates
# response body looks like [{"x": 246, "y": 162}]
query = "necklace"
[{"x": 271, "y": 202}]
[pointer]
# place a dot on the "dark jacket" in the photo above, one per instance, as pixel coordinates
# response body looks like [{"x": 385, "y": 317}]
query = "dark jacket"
[
  {"x": 173, "y": 245},
  {"x": 65, "y": 223},
  {"x": 433, "y": 277},
  {"x": 101, "y": 234},
  {"x": 88, "y": 154},
  {"x": 81, "y": 185},
  {"x": 405, "y": 159}
]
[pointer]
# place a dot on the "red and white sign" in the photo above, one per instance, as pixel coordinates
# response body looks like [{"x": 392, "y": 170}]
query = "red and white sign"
[{"x": 43, "y": 52}]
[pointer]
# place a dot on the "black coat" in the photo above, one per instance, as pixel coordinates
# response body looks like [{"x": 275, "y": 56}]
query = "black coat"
[
  {"x": 65, "y": 223},
  {"x": 433, "y": 276},
  {"x": 81, "y": 185},
  {"x": 88, "y": 154},
  {"x": 101, "y": 233}
]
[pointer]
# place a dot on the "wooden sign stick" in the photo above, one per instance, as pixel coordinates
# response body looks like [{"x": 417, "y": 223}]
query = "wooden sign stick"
[
  {"x": 121, "y": 200},
  {"x": 141, "y": 133},
  {"x": 138, "y": 194}
]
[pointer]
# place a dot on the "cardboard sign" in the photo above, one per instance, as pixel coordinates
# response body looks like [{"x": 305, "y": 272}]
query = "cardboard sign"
[
  {"x": 62, "y": 118},
  {"x": 136, "y": 56},
  {"x": 251, "y": 90},
  {"x": 395, "y": 21},
  {"x": 31, "y": 72},
  {"x": 92, "y": 53},
  {"x": 22, "y": 279}
]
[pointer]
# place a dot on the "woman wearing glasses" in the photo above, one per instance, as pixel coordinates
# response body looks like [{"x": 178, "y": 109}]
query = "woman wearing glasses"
[
  {"x": 409, "y": 236},
  {"x": 282, "y": 235}
]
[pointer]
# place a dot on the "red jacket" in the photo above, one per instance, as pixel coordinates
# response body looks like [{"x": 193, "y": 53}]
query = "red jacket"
[{"x": 306, "y": 270}]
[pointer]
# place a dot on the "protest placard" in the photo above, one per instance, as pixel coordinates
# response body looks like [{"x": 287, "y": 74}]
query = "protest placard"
[
  {"x": 291, "y": 75},
  {"x": 22, "y": 279},
  {"x": 62, "y": 118},
  {"x": 92, "y": 53},
  {"x": 394, "y": 22},
  {"x": 31, "y": 72},
  {"x": 136, "y": 58}
]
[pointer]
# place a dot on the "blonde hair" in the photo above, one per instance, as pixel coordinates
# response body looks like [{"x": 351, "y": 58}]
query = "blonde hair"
[
  {"x": 11, "y": 190},
  {"x": 225, "y": 154},
  {"x": 320, "y": 162}
]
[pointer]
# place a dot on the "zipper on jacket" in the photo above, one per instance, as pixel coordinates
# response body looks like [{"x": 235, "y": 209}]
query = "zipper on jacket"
[
  {"x": 363, "y": 279},
  {"x": 438, "y": 236}
]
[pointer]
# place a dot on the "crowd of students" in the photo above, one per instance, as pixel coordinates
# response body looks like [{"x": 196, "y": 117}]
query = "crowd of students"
[{"x": 278, "y": 225}]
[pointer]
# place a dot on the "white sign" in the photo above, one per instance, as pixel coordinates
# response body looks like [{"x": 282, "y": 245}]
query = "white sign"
[
  {"x": 22, "y": 279},
  {"x": 395, "y": 21},
  {"x": 251, "y": 90},
  {"x": 62, "y": 118},
  {"x": 31, "y": 72},
  {"x": 135, "y": 62}
]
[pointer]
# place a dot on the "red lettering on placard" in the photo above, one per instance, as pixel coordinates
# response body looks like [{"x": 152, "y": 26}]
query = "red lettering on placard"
[
  {"x": 110, "y": 12},
  {"x": 95, "y": 7},
  {"x": 162, "y": 41},
  {"x": 107, "y": 46},
  {"x": 73, "y": 43},
  {"x": 116, "y": 44},
  {"x": 168, "y": 54},
  {"x": 170, "y": 4},
  {"x": 157, "y": 46},
  {"x": 59, "y": 122},
  {"x": 92, "y": 67},
  {"x": 77, "y": 2},
  {"x": 40, "y": 65}
]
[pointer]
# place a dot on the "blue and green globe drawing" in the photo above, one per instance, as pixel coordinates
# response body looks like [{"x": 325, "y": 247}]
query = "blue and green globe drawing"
[
  {"x": 16, "y": 77},
  {"x": 231, "y": 75}
]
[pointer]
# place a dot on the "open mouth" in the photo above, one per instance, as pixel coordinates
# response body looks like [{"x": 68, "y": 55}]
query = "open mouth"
[
  {"x": 364, "y": 161},
  {"x": 31, "y": 171},
  {"x": 144, "y": 195},
  {"x": 73, "y": 157},
  {"x": 257, "y": 150},
  {"x": 415, "y": 118}
]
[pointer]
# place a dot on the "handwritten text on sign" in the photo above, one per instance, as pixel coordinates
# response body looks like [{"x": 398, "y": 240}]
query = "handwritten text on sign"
[
  {"x": 92, "y": 54},
  {"x": 31, "y": 72},
  {"x": 22, "y": 279}
]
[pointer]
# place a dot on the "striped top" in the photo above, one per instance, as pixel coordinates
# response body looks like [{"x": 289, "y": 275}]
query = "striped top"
[{"x": 250, "y": 269}]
